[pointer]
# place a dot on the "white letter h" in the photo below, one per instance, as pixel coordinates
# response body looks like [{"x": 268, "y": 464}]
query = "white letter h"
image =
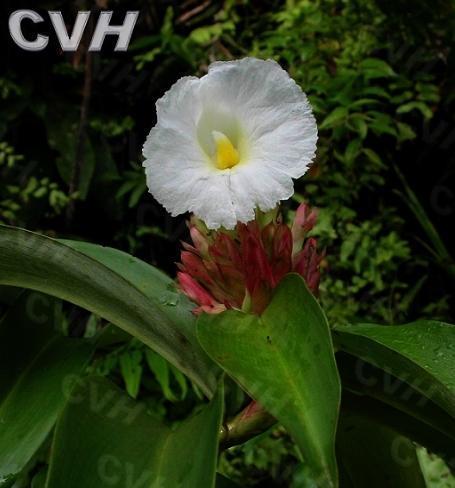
[{"x": 123, "y": 31}]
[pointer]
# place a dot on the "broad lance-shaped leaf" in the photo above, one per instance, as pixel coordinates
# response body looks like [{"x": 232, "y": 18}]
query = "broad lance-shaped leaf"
[
  {"x": 420, "y": 353},
  {"x": 423, "y": 428},
  {"x": 36, "y": 365},
  {"x": 285, "y": 360},
  {"x": 114, "y": 285},
  {"x": 374, "y": 455},
  {"x": 104, "y": 438}
]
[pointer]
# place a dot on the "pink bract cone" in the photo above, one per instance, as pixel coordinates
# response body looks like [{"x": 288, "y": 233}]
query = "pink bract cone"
[{"x": 240, "y": 269}]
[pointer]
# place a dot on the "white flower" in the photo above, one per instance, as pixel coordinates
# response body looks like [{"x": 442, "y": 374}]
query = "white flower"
[{"x": 230, "y": 142}]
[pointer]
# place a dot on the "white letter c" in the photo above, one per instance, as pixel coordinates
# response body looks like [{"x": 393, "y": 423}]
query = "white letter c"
[{"x": 14, "y": 24}]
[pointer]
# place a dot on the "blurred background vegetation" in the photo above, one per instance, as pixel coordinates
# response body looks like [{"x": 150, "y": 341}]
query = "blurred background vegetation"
[{"x": 379, "y": 75}]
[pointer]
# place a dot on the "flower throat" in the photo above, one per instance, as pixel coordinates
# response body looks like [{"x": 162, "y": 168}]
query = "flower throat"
[{"x": 226, "y": 155}]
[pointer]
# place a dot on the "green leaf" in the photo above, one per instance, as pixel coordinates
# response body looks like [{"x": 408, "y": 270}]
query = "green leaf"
[
  {"x": 352, "y": 150},
  {"x": 392, "y": 402},
  {"x": 420, "y": 353},
  {"x": 381, "y": 123},
  {"x": 209, "y": 34},
  {"x": 376, "y": 68},
  {"x": 376, "y": 90},
  {"x": 164, "y": 372},
  {"x": 422, "y": 107},
  {"x": 39, "y": 481},
  {"x": 334, "y": 118},
  {"x": 284, "y": 360},
  {"x": 181, "y": 381},
  {"x": 436, "y": 472},
  {"x": 104, "y": 438},
  {"x": 131, "y": 370},
  {"x": 160, "y": 368},
  {"x": 136, "y": 195},
  {"x": 373, "y": 157},
  {"x": 438, "y": 248},
  {"x": 115, "y": 286},
  {"x": 35, "y": 367},
  {"x": 405, "y": 132},
  {"x": 374, "y": 455},
  {"x": 357, "y": 122},
  {"x": 364, "y": 101}
]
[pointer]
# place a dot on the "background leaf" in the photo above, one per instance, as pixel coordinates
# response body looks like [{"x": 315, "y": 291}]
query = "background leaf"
[
  {"x": 425, "y": 429},
  {"x": 421, "y": 354},
  {"x": 366, "y": 447},
  {"x": 105, "y": 438},
  {"x": 36, "y": 367}
]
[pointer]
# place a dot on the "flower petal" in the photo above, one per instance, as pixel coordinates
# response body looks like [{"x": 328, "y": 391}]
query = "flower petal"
[
  {"x": 281, "y": 129},
  {"x": 255, "y": 185}
]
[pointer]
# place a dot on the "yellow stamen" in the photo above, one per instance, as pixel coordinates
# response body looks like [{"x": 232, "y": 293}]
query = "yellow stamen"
[{"x": 226, "y": 155}]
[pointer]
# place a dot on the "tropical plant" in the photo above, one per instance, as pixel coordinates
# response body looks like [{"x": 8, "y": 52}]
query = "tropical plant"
[
  {"x": 396, "y": 380},
  {"x": 379, "y": 81}
]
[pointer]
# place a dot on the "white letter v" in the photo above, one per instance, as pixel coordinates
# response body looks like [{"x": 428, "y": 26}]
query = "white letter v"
[{"x": 69, "y": 43}]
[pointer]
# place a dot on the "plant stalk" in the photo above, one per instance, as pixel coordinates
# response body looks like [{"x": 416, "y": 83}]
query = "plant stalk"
[{"x": 250, "y": 422}]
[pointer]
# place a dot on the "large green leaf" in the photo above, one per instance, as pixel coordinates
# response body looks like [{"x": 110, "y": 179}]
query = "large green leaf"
[
  {"x": 422, "y": 429},
  {"x": 114, "y": 285},
  {"x": 374, "y": 455},
  {"x": 35, "y": 366},
  {"x": 284, "y": 359},
  {"x": 104, "y": 438},
  {"x": 391, "y": 401},
  {"x": 421, "y": 354}
]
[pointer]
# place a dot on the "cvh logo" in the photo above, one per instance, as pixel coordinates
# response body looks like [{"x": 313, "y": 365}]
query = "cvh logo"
[{"x": 71, "y": 42}]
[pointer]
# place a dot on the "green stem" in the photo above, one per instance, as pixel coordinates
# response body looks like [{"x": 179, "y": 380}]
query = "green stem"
[{"x": 250, "y": 422}]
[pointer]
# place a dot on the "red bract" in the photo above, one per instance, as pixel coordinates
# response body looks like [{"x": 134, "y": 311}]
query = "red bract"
[{"x": 239, "y": 269}]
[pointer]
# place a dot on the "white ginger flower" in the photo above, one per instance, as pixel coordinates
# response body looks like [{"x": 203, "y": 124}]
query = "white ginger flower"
[{"x": 230, "y": 142}]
